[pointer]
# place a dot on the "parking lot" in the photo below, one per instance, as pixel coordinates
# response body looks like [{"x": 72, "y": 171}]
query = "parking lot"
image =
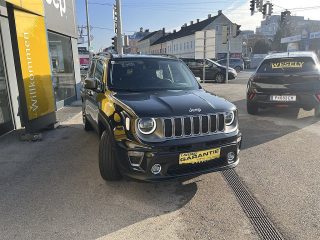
[{"x": 53, "y": 190}]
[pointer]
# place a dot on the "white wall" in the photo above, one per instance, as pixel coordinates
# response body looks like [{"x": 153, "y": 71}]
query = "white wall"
[
  {"x": 157, "y": 49},
  {"x": 235, "y": 43},
  {"x": 144, "y": 46},
  {"x": 76, "y": 61},
  {"x": 182, "y": 47}
]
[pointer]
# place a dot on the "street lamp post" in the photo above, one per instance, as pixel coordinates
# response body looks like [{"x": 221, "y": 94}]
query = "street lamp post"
[{"x": 88, "y": 25}]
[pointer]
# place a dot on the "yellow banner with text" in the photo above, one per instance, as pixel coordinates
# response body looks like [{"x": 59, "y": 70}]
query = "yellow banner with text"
[
  {"x": 35, "y": 6},
  {"x": 35, "y": 65}
]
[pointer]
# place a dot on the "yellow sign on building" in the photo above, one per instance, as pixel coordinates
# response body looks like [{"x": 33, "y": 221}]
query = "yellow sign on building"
[
  {"x": 35, "y": 6},
  {"x": 35, "y": 65}
]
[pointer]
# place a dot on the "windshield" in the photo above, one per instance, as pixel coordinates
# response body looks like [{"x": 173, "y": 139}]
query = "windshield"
[
  {"x": 150, "y": 74},
  {"x": 288, "y": 65},
  {"x": 214, "y": 62}
]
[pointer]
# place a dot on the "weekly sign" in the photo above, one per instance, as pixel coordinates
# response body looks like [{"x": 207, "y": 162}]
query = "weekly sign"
[{"x": 35, "y": 65}]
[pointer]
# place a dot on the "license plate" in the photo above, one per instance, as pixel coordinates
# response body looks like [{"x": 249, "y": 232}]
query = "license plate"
[
  {"x": 284, "y": 98},
  {"x": 199, "y": 157}
]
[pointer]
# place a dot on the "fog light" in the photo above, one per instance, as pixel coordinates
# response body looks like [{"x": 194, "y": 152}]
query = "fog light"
[
  {"x": 156, "y": 169},
  {"x": 135, "y": 158},
  {"x": 230, "y": 157}
]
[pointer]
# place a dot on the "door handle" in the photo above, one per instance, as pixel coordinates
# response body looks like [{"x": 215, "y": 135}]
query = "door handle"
[{"x": 90, "y": 93}]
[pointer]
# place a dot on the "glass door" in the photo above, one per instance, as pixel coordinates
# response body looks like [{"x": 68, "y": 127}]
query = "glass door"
[{"x": 6, "y": 122}]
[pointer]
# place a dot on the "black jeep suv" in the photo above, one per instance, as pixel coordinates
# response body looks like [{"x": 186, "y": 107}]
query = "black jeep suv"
[
  {"x": 155, "y": 120},
  {"x": 286, "y": 80}
]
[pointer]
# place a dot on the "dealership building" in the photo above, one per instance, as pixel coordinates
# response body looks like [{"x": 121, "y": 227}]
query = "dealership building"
[{"x": 39, "y": 63}]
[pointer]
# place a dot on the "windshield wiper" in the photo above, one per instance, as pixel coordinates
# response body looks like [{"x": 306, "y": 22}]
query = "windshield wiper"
[{"x": 125, "y": 90}]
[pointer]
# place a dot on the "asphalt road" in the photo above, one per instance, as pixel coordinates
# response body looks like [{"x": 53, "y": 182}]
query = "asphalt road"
[{"x": 52, "y": 189}]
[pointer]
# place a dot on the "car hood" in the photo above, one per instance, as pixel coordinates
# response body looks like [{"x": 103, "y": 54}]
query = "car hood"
[{"x": 173, "y": 103}]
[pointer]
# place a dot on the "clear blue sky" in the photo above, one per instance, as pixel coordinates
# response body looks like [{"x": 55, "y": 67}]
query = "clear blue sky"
[
  {"x": 149, "y": 14},
  {"x": 172, "y": 14}
]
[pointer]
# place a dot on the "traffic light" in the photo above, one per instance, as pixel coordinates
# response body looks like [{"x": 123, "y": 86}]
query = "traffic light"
[
  {"x": 270, "y": 11},
  {"x": 252, "y": 6},
  {"x": 114, "y": 43},
  {"x": 284, "y": 16},
  {"x": 115, "y": 18},
  {"x": 264, "y": 10},
  {"x": 236, "y": 30}
]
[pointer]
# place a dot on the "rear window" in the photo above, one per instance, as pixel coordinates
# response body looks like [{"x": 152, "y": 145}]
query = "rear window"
[{"x": 287, "y": 65}]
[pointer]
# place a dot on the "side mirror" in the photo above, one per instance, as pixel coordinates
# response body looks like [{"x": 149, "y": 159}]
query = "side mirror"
[
  {"x": 198, "y": 79},
  {"x": 90, "y": 84}
]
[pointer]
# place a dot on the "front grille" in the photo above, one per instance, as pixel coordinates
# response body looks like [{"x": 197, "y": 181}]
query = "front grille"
[
  {"x": 197, "y": 167},
  {"x": 188, "y": 126}
]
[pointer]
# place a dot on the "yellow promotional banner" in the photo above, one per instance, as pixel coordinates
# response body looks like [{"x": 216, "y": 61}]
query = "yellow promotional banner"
[
  {"x": 35, "y": 6},
  {"x": 35, "y": 65}
]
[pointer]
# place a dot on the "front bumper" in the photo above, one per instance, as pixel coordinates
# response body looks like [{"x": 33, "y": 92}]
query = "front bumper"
[{"x": 168, "y": 158}]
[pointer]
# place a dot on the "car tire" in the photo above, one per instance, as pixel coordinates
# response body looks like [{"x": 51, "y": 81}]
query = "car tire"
[
  {"x": 238, "y": 69},
  {"x": 108, "y": 155},
  {"x": 252, "y": 109},
  {"x": 86, "y": 124},
  {"x": 220, "y": 78},
  {"x": 317, "y": 111}
]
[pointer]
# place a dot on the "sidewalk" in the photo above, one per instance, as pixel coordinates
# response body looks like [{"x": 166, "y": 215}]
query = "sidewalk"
[{"x": 52, "y": 189}]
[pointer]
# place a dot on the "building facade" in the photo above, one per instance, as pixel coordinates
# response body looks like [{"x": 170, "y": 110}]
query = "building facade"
[
  {"x": 144, "y": 45},
  {"x": 132, "y": 48},
  {"x": 39, "y": 64},
  {"x": 269, "y": 27},
  {"x": 183, "y": 43}
]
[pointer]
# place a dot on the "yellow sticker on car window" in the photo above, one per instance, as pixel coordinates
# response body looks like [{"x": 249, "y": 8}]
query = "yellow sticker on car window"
[{"x": 287, "y": 65}]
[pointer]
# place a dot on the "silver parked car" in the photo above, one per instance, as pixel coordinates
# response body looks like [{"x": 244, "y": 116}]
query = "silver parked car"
[{"x": 235, "y": 63}]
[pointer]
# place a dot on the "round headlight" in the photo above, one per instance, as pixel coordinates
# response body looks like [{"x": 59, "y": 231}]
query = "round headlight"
[
  {"x": 147, "y": 125},
  {"x": 229, "y": 118}
]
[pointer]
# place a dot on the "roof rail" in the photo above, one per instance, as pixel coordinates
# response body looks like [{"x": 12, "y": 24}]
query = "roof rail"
[{"x": 164, "y": 55}]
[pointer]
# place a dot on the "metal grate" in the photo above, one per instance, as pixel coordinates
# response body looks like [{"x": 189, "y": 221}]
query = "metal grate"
[
  {"x": 188, "y": 126},
  {"x": 254, "y": 212}
]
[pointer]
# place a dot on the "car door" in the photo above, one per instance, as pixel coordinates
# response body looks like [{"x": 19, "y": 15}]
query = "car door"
[
  {"x": 93, "y": 102},
  {"x": 194, "y": 66},
  {"x": 210, "y": 70},
  {"x": 88, "y": 92}
]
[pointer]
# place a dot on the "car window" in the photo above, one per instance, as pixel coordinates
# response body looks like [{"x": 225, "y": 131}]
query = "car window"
[
  {"x": 287, "y": 65},
  {"x": 148, "y": 74},
  {"x": 98, "y": 75},
  {"x": 196, "y": 63},
  {"x": 92, "y": 66}
]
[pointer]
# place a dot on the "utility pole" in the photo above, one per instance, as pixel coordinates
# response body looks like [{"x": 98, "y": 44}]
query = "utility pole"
[
  {"x": 204, "y": 55},
  {"x": 119, "y": 27},
  {"x": 88, "y": 26},
  {"x": 228, "y": 53}
]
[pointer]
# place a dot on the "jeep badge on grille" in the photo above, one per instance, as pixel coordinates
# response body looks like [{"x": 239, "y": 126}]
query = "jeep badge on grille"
[{"x": 192, "y": 110}]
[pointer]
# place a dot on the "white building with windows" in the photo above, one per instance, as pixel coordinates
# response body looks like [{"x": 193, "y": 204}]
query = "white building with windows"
[
  {"x": 182, "y": 43},
  {"x": 144, "y": 45}
]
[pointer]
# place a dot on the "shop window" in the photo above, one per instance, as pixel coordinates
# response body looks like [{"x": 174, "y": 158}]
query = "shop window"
[
  {"x": 6, "y": 123},
  {"x": 62, "y": 66}
]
